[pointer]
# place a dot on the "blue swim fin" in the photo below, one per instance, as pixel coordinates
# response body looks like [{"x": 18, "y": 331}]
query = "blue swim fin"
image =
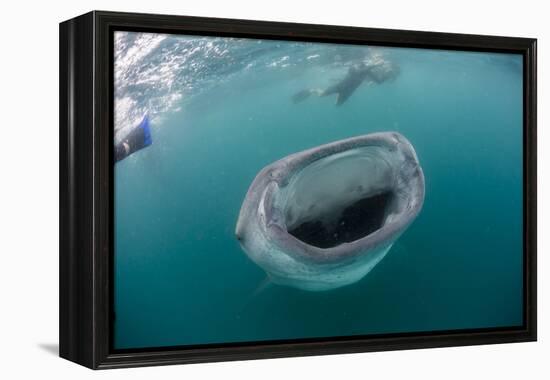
[
  {"x": 137, "y": 139},
  {"x": 144, "y": 125}
]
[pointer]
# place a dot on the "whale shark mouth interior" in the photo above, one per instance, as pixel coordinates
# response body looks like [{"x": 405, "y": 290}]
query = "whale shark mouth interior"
[
  {"x": 344, "y": 197},
  {"x": 356, "y": 221}
]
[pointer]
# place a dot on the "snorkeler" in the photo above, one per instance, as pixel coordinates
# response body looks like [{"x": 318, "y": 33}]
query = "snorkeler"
[
  {"x": 374, "y": 70},
  {"x": 137, "y": 139}
]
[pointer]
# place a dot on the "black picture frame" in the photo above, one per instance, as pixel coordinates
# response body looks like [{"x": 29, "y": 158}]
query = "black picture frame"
[{"x": 86, "y": 187}]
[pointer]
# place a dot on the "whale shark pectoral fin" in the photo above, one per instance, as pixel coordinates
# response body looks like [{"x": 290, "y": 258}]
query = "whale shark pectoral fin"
[
  {"x": 263, "y": 285},
  {"x": 260, "y": 288}
]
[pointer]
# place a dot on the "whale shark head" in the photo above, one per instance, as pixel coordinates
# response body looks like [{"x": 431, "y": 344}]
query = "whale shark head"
[{"x": 323, "y": 218}]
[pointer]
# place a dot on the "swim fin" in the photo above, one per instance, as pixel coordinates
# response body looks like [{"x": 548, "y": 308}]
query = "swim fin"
[
  {"x": 300, "y": 96},
  {"x": 137, "y": 139}
]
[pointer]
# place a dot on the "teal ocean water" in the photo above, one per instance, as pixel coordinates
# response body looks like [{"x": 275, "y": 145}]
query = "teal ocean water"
[{"x": 221, "y": 110}]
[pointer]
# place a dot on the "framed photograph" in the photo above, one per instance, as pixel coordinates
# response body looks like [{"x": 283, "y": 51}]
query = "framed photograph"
[{"x": 235, "y": 189}]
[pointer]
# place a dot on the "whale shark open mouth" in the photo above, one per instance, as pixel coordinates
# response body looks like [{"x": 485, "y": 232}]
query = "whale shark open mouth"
[
  {"x": 343, "y": 197},
  {"x": 339, "y": 205},
  {"x": 354, "y": 222}
]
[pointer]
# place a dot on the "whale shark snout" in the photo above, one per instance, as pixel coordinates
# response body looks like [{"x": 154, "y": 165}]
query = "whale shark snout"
[{"x": 323, "y": 218}]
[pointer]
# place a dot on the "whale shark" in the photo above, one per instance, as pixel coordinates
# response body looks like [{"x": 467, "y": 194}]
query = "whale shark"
[
  {"x": 323, "y": 218},
  {"x": 374, "y": 70}
]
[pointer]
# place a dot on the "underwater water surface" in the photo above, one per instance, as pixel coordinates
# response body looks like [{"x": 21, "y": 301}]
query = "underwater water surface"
[{"x": 221, "y": 109}]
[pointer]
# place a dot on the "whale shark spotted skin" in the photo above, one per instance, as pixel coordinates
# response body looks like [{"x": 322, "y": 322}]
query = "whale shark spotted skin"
[{"x": 323, "y": 218}]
